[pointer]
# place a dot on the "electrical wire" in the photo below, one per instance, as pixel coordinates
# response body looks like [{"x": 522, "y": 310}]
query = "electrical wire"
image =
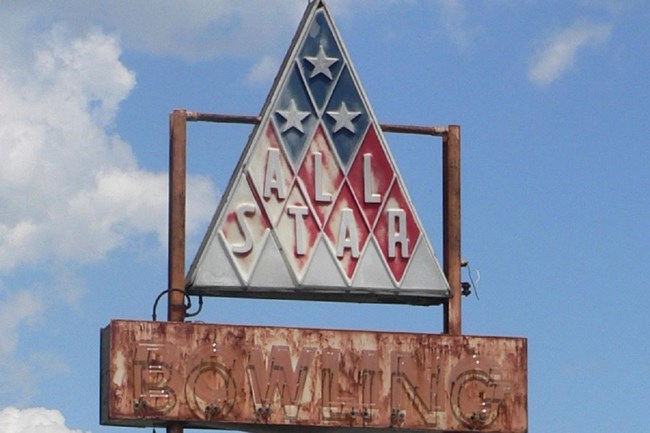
[
  {"x": 471, "y": 279},
  {"x": 188, "y": 305}
]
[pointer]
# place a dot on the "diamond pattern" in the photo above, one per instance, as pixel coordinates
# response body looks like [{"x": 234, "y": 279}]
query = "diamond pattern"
[
  {"x": 397, "y": 232},
  {"x": 270, "y": 172},
  {"x": 316, "y": 200},
  {"x": 320, "y": 37},
  {"x": 346, "y": 98},
  {"x": 371, "y": 175},
  {"x": 244, "y": 227},
  {"x": 294, "y": 97},
  {"x": 297, "y": 232},
  {"x": 347, "y": 231},
  {"x": 321, "y": 176}
]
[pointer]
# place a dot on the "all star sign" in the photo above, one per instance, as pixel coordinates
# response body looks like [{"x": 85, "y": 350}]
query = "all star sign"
[{"x": 316, "y": 208}]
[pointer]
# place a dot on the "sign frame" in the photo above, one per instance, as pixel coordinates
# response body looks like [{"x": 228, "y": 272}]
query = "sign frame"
[
  {"x": 431, "y": 285},
  {"x": 451, "y": 174}
]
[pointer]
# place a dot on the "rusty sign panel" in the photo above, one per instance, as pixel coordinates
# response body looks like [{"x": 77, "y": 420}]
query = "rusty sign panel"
[
  {"x": 277, "y": 379},
  {"x": 316, "y": 208}
]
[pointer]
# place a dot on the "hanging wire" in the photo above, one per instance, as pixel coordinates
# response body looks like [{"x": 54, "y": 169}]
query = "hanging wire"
[
  {"x": 188, "y": 305},
  {"x": 198, "y": 310},
  {"x": 471, "y": 279}
]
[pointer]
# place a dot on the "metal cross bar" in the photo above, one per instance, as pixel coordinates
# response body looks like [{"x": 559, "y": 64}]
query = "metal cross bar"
[
  {"x": 193, "y": 116},
  {"x": 177, "y": 194},
  {"x": 451, "y": 206}
]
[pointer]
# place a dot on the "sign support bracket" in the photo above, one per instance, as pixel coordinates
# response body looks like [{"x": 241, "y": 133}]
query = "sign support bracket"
[
  {"x": 177, "y": 198},
  {"x": 176, "y": 239},
  {"x": 451, "y": 228}
]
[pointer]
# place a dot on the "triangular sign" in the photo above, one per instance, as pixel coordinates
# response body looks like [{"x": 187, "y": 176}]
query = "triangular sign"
[{"x": 316, "y": 208}]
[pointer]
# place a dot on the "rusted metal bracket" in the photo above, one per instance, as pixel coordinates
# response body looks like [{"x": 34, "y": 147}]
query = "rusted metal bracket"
[
  {"x": 194, "y": 116},
  {"x": 451, "y": 206}
]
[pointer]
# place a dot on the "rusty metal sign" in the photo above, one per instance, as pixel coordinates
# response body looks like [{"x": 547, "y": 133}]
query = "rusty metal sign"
[
  {"x": 271, "y": 379},
  {"x": 316, "y": 208}
]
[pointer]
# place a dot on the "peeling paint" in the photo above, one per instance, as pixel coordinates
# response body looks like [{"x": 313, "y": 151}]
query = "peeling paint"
[{"x": 246, "y": 378}]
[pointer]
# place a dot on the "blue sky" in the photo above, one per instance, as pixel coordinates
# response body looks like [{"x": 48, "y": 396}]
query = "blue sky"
[{"x": 552, "y": 98}]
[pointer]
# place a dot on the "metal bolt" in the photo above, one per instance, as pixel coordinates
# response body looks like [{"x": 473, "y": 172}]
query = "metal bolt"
[
  {"x": 211, "y": 410},
  {"x": 140, "y": 406}
]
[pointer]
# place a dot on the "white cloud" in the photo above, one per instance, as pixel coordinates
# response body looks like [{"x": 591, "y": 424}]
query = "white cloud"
[
  {"x": 453, "y": 14},
  {"x": 70, "y": 187},
  {"x": 16, "y": 310},
  {"x": 53, "y": 133},
  {"x": 263, "y": 71},
  {"x": 33, "y": 420},
  {"x": 561, "y": 49},
  {"x": 196, "y": 30},
  {"x": 614, "y": 7}
]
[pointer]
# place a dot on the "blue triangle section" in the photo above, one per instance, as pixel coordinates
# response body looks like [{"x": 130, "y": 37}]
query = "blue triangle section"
[{"x": 320, "y": 60}]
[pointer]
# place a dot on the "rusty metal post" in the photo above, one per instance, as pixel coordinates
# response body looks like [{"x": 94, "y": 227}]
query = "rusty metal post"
[
  {"x": 451, "y": 227},
  {"x": 177, "y": 175},
  {"x": 177, "y": 187}
]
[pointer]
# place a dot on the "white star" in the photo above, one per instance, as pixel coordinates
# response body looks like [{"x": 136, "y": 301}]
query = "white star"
[
  {"x": 321, "y": 63},
  {"x": 344, "y": 118},
  {"x": 293, "y": 117}
]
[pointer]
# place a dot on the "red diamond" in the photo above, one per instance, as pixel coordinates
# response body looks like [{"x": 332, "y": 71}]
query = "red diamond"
[
  {"x": 320, "y": 175},
  {"x": 397, "y": 231},
  {"x": 347, "y": 231},
  {"x": 371, "y": 175}
]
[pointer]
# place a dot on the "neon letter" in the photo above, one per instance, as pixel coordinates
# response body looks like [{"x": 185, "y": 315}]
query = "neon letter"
[
  {"x": 276, "y": 375},
  {"x": 152, "y": 389},
  {"x": 333, "y": 402},
  {"x": 416, "y": 385}
]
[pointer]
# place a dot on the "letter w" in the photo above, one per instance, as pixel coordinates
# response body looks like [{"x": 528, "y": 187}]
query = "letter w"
[{"x": 277, "y": 374}]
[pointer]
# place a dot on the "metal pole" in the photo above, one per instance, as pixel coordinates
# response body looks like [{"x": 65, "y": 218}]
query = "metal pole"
[
  {"x": 195, "y": 116},
  {"x": 451, "y": 227},
  {"x": 451, "y": 203},
  {"x": 436, "y": 131},
  {"x": 176, "y": 264}
]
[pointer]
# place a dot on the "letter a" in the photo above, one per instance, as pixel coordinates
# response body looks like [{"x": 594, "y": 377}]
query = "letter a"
[
  {"x": 273, "y": 179},
  {"x": 348, "y": 235},
  {"x": 397, "y": 217}
]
